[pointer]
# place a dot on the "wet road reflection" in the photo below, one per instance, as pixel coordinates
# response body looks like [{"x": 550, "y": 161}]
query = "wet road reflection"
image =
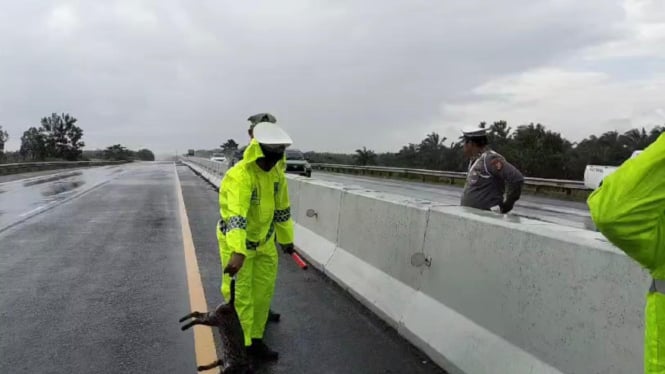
[
  {"x": 57, "y": 188},
  {"x": 21, "y": 198}
]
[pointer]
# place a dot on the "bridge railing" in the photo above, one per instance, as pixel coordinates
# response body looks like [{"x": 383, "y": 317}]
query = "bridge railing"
[
  {"x": 26, "y": 167},
  {"x": 451, "y": 177},
  {"x": 215, "y": 167}
]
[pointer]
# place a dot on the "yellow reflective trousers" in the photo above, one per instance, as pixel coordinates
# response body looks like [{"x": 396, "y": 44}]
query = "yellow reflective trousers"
[
  {"x": 255, "y": 284},
  {"x": 629, "y": 209},
  {"x": 254, "y": 209},
  {"x": 654, "y": 334}
]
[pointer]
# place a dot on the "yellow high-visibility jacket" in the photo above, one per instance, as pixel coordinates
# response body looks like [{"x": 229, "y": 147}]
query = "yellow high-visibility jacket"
[
  {"x": 254, "y": 203},
  {"x": 629, "y": 209}
]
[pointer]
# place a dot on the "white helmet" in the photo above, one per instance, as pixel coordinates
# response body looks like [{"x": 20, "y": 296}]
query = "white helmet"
[{"x": 271, "y": 134}]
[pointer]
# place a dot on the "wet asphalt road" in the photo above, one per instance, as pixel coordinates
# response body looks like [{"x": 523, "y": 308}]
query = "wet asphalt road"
[
  {"x": 561, "y": 212},
  {"x": 22, "y": 198},
  {"x": 13, "y": 177},
  {"x": 97, "y": 283}
]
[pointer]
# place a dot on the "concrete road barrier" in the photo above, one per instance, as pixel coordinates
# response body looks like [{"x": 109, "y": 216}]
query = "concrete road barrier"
[
  {"x": 317, "y": 235},
  {"x": 496, "y": 294}
]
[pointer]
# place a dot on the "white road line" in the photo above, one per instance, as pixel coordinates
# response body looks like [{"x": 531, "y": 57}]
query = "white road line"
[{"x": 35, "y": 210}]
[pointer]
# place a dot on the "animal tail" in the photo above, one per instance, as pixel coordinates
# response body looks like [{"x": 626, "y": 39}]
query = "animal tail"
[{"x": 210, "y": 366}]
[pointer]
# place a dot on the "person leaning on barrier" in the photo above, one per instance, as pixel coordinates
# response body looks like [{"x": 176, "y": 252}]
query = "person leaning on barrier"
[
  {"x": 488, "y": 175},
  {"x": 255, "y": 209},
  {"x": 629, "y": 209}
]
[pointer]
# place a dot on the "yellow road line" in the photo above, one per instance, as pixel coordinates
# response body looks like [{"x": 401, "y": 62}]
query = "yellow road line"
[{"x": 203, "y": 340}]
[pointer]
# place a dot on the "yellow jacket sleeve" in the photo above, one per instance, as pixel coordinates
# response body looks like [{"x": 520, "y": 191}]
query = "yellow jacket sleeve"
[
  {"x": 283, "y": 220},
  {"x": 234, "y": 200},
  {"x": 629, "y": 208}
]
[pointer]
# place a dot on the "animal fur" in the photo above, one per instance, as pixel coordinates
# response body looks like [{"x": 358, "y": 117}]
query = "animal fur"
[{"x": 225, "y": 318}]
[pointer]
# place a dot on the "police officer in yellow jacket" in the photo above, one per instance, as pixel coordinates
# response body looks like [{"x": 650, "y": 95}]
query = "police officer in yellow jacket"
[
  {"x": 254, "y": 206},
  {"x": 629, "y": 209},
  {"x": 254, "y": 120}
]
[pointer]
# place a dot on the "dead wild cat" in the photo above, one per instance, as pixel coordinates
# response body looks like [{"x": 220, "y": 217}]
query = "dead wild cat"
[{"x": 234, "y": 354}]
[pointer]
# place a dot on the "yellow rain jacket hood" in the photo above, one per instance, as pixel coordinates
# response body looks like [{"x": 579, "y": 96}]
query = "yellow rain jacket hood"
[{"x": 629, "y": 209}]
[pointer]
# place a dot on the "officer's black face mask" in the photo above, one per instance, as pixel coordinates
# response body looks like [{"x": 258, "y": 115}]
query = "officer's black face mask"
[{"x": 272, "y": 154}]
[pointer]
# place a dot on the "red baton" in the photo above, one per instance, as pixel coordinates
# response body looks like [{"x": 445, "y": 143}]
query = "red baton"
[{"x": 299, "y": 261}]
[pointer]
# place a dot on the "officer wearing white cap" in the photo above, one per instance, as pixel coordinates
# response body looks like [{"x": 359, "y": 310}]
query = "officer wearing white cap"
[
  {"x": 488, "y": 175},
  {"x": 254, "y": 120},
  {"x": 256, "y": 212}
]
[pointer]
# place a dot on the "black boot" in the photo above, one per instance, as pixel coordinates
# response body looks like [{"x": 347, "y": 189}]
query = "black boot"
[
  {"x": 260, "y": 350},
  {"x": 273, "y": 316}
]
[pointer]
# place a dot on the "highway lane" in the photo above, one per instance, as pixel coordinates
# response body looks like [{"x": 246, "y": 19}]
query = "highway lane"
[
  {"x": 97, "y": 284},
  {"x": 562, "y": 212}
]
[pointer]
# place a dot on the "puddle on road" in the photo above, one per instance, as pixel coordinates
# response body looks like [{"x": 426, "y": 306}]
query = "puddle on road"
[
  {"x": 58, "y": 188},
  {"x": 41, "y": 180}
]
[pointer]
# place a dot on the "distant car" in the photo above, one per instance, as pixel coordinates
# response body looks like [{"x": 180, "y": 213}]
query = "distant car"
[
  {"x": 296, "y": 163},
  {"x": 218, "y": 158}
]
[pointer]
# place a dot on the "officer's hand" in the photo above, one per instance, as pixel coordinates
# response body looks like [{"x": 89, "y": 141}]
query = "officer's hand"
[
  {"x": 288, "y": 248},
  {"x": 234, "y": 264},
  {"x": 506, "y": 206}
]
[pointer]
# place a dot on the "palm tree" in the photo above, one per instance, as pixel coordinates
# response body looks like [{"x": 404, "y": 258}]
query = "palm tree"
[
  {"x": 365, "y": 157},
  {"x": 229, "y": 147},
  {"x": 4, "y": 136},
  {"x": 432, "y": 151},
  {"x": 499, "y": 131},
  {"x": 636, "y": 139},
  {"x": 655, "y": 133},
  {"x": 433, "y": 142}
]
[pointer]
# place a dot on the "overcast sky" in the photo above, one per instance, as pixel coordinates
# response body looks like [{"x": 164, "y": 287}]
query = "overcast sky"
[{"x": 338, "y": 75}]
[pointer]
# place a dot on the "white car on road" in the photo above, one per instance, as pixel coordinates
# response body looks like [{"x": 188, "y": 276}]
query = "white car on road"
[
  {"x": 218, "y": 158},
  {"x": 297, "y": 164},
  {"x": 594, "y": 174}
]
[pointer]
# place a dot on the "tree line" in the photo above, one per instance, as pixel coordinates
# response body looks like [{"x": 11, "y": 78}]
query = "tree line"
[
  {"x": 58, "y": 137},
  {"x": 118, "y": 152},
  {"x": 535, "y": 150}
]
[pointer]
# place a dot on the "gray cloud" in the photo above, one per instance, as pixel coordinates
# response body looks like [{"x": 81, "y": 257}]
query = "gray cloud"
[{"x": 338, "y": 75}]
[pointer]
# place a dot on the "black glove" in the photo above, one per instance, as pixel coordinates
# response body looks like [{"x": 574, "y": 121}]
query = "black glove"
[
  {"x": 506, "y": 206},
  {"x": 288, "y": 248}
]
